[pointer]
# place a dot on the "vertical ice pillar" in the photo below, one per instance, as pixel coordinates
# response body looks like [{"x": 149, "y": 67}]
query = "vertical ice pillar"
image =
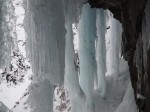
[
  {"x": 87, "y": 35},
  {"x": 71, "y": 74},
  {"x": 101, "y": 51},
  {"x": 45, "y": 27}
]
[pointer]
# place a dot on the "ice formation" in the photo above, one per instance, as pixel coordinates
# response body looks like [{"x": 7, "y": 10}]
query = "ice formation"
[
  {"x": 41, "y": 101},
  {"x": 46, "y": 39},
  {"x": 114, "y": 36},
  {"x": 71, "y": 74},
  {"x": 87, "y": 36},
  {"x": 102, "y": 81},
  {"x": 101, "y": 51}
]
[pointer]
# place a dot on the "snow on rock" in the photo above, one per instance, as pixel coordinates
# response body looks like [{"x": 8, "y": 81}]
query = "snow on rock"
[{"x": 22, "y": 105}]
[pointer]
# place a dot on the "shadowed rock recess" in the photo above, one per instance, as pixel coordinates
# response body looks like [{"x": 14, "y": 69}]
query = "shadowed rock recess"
[{"x": 134, "y": 16}]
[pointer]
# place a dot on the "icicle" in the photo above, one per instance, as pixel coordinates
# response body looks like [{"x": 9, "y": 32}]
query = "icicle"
[
  {"x": 87, "y": 35},
  {"x": 101, "y": 51},
  {"x": 41, "y": 97}
]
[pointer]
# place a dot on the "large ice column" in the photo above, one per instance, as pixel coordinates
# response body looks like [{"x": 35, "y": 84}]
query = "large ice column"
[
  {"x": 101, "y": 51},
  {"x": 77, "y": 96},
  {"x": 87, "y": 35},
  {"x": 45, "y": 27},
  {"x": 41, "y": 97}
]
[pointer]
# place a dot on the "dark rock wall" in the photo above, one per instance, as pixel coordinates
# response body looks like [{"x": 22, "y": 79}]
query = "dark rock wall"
[{"x": 135, "y": 18}]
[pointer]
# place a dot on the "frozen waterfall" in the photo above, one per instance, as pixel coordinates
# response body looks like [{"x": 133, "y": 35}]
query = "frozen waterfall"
[{"x": 102, "y": 79}]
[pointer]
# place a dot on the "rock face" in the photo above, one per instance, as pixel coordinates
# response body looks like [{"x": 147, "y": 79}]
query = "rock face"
[{"x": 134, "y": 16}]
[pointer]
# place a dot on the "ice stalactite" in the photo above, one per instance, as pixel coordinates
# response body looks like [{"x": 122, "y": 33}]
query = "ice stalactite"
[
  {"x": 101, "y": 51},
  {"x": 45, "y": 27},
  {"x": 77, "y": 96},
  {"x": 87, "y": 36}
]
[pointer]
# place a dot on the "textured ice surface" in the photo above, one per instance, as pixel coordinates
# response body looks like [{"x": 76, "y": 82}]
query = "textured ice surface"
[
  {"x": 47, "y": 22},
  {"x": 113, "y": 38},
  {"x": 101, "y": 51},
  {"x": 45, "y": 27},
  {"x": 41, "y": 96},
  {"x": 87, "y": 36}
]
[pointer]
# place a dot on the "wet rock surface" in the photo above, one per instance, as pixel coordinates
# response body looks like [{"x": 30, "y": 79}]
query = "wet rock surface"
[{"x": 134, "y": 17}]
